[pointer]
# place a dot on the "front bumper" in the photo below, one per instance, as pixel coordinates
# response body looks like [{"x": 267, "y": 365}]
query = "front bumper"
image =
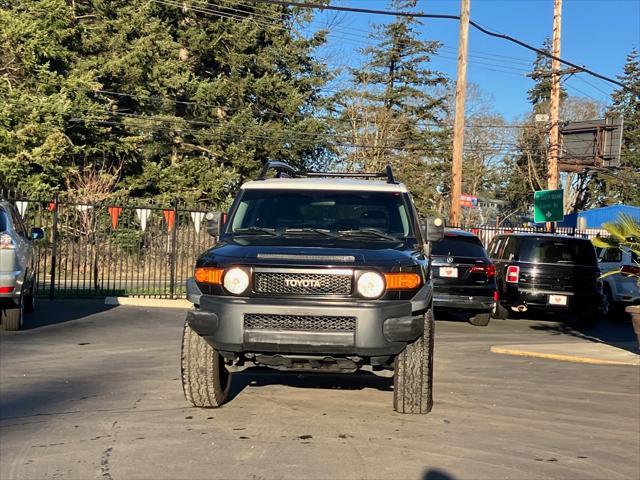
[{"x": 381, "y": 327}]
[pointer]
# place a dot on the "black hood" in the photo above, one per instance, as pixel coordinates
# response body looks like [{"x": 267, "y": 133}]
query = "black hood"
[{"x": 357, "y": 254}]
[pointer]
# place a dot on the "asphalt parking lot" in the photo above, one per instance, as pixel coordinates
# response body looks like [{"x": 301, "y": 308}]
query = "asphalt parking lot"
[{"x": 92, "y": 391}]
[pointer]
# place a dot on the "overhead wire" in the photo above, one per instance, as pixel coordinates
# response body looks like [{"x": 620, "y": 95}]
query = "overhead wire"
[{"x": 474, "y": 24}]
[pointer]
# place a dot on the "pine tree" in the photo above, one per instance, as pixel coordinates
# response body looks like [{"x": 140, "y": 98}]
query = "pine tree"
[
  {"x": 624, "y": 185},
  {"x": 394, "y": 110},
  {"x": 203, "y": 95}
]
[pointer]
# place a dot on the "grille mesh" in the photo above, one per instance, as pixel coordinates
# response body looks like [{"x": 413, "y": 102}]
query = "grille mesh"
[
  {"x": 261, "y": 321},
  {"x": 302, "y": 283}
]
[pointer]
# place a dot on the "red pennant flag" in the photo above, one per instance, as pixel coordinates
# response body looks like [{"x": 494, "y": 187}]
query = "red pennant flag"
[
  {"x": 51, "y": 207},
  {"x": 170, "y": 218},
  {"x": 114, "y": 213}
]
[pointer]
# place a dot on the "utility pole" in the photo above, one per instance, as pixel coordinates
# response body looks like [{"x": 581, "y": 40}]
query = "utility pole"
[
  {"x": 458, "y": 123},
  {"x": 554, "y": 140},
  {"x": 554, "y": 137}
]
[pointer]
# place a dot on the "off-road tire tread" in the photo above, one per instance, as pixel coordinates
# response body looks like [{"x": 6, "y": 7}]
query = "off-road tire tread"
[
  {"x": 413, "y": 378},
  {"x": 205, "y": 381},
  {"x": 480, "y": 319}
]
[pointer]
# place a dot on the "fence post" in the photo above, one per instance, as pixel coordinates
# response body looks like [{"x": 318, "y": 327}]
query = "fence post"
[
  {"x": 174, "y": 245},
  {"x": 54, "y": 247}
]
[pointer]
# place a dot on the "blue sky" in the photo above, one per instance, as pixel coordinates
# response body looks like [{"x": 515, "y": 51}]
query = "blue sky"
[{"x": 595, "y": 33}]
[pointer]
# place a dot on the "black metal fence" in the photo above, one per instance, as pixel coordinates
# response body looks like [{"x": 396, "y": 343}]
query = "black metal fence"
[
  {"x": 106, "y": 249},
  {"x": 134, "y": 249}
]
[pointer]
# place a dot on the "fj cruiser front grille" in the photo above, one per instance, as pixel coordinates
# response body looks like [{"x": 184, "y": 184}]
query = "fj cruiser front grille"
[
  {"x": 314, "y": 323},
  {"x": 283, "y": 283}
]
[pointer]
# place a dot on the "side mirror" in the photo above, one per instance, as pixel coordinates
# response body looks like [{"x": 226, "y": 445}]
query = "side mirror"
[
  {"x": 433, "y": 229},
  {"x": 215, "y": 223},
  {"x": 36, "y": 233}
]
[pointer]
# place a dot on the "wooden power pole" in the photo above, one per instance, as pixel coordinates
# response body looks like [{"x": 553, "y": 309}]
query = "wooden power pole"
[
  {"x": 458, "y": 123},
  {"x": 554, "y": 137}
]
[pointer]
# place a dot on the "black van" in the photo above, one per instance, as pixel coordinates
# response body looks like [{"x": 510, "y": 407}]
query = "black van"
[{"x": 546, "y": 272}]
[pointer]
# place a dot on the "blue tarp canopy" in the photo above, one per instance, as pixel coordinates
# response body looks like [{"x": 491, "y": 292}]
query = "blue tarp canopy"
[{"x": 595, "y": 217}]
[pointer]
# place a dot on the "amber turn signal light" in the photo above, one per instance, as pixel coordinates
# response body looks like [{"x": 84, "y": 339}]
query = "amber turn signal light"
[
  {"x": 209, "y": 275},
  {"x": 402, "y": 281}
]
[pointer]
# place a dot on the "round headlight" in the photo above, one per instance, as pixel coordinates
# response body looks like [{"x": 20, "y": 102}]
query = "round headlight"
[
  {"x": 370, "y": 285},
  {"x": 235, "y": 280}
]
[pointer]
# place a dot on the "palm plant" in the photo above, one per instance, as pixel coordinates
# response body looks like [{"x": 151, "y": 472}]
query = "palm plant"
[{"x": 624, "y": 232}]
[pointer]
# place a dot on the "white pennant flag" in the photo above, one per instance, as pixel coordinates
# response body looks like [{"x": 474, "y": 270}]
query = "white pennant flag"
[
  {"x": 143, "y": 215},
  {"x": 22, "y": 207},
  {"x": 84, "y": 208},
  {"x": 197, "y": 220}
]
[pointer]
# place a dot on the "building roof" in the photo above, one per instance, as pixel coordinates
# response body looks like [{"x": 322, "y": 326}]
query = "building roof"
[
  {"x": 322, "y": 183},
  {"x": 595, "y": 217}
]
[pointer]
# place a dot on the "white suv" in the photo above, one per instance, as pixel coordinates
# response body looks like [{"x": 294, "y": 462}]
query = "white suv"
[{"x": 622, "y": 288}]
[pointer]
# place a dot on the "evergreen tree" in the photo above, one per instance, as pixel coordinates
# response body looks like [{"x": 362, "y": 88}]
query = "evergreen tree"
[
  {"x": 624, "y": 185},
  {"x": 394, "y": 110},
  {"x": 203, "y": 95}
]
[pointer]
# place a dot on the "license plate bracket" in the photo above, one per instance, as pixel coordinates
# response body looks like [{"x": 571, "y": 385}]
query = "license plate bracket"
[
  {"x": 448, "y": 272},
  {"x": 560, "y": 300}
]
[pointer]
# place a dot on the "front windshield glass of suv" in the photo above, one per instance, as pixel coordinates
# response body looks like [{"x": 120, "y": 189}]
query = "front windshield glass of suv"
[{"x": 376, "y": 214}]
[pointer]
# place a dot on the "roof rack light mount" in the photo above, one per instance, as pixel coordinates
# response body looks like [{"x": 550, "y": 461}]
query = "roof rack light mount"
[{"x": 285, "y": 170}]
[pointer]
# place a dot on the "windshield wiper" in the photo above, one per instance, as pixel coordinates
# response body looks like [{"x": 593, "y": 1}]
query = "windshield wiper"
[
  {"x": 370, "y": 231},
  {"x": 321, "y": 231},
  {"x": 254, "y": 230}
]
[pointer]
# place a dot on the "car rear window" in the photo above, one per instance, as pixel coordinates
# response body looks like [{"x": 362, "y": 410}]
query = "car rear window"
[
  {"x": 459, "y": 247},
  {"x": 552, "y": 250},
  {"x": 3, "y": 221}
]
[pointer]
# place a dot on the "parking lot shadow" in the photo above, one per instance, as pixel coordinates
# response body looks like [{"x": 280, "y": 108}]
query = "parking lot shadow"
[
  {"x": 617, "y": 334},
  {"x": 60, "y": 311},
  {"x": 263, "y": 376},
  {"x": 436, "y": 474}
]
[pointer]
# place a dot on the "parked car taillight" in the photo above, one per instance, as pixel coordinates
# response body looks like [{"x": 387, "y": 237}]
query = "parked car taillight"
[
  {"x": 6, "y": 242},
  {"x": 513, "y": 274},
  {"x": 630, "y": 269},
  {"x": 489, "y": 270}
]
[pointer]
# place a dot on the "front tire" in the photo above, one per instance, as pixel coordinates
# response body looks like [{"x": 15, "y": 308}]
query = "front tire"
[
  {"x": 413, "y": 377},
  {"x": 205, "y": 379},
  {"x": 12, "y": 318}
]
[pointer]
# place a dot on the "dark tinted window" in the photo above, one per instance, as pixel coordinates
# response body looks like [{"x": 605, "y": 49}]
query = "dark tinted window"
[
  {"x": 323, "y": 209},
  {"x": 459, "y": 247},
  {"x": 553, "y": 250},
  {"x": 495, "y": 246},
  {"x": 3, "y": 221},
  {"x": 612, "y": 255},
  {"x": 510, "y": 250}
]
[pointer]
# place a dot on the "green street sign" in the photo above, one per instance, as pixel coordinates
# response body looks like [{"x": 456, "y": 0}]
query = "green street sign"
[{"x": 548, "y": 206}]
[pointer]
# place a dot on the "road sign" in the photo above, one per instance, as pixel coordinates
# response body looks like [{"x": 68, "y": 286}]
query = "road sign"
[{"x": 548, "y": 206}]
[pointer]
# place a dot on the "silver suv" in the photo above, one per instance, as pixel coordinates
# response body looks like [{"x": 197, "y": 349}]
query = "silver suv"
[{"x": 16, "y": 267}]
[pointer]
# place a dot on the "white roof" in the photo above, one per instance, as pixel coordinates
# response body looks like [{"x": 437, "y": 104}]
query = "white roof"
[{"x": 326, "y": 183}]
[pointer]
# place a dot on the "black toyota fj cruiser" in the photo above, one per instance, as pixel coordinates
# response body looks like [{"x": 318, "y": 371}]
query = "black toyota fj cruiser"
[{"x": 314, "y": 272}]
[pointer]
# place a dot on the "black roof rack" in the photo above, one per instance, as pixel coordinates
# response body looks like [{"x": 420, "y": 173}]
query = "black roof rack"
[{"x": 285, "y": 170}]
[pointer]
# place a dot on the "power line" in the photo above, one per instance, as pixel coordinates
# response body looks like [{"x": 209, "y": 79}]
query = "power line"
[
  {"x": 476, "y": 25},
  {"x": 211, "y": 10}
]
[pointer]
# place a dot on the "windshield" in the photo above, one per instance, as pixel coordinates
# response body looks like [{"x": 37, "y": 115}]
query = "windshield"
[
  {"x": 381, "y": 215},
  {"x": 562, "y": 251},
  {"x": 459, "y": 247}
]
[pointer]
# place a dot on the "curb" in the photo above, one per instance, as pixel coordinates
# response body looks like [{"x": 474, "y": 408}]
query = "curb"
[
  {"x": 565, "y": 357},
  {"x": 148, "y": 302}
]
